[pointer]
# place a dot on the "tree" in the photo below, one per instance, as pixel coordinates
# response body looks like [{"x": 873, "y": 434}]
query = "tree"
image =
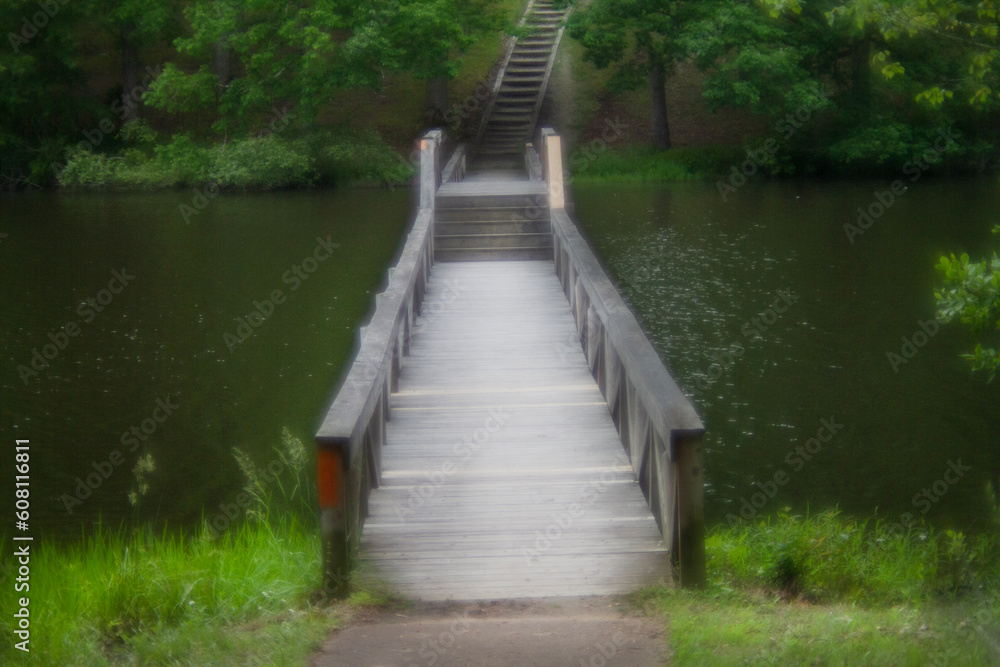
[
  {"x": 258, "y": 54},
  {"x": 641, "y": 37},
  {"x": 40, "y": 82},
  {"x": 770, "y": 63},
  {"x": 429, "y": 37},
  {"x": 133, "y": 25}
]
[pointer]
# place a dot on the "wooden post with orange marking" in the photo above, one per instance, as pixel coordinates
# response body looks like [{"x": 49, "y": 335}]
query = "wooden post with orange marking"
[
  {"x": 332, "y": 471},
  {"x": 430, "y": 167}
]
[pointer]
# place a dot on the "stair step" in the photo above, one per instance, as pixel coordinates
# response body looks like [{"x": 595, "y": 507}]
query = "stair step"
[
  {"x": 504, "y": 138},
  {"x": 514, "y": 100},
  {"x": 465, "y": 228},
  {"x": 496, "y": 214},
  {"x": 491, "y": 254},
  {"x": 479, "y": 241},
  {"x": 529, "y": 203},
  {"x": 522, "y": 80},
  {"x": 506, "y": 89},
  {"x": 493, "y": 150},
  {"x": 510, "y": 115}
]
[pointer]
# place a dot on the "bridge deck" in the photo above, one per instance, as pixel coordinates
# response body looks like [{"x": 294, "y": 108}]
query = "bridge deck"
[{"x": 503, "y": 474}]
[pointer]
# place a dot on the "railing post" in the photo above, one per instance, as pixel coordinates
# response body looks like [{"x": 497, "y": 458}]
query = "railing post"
[
  {"x": 430, "y": 167},
  {"x": 554, "y": 168},
  {"x": 332, "y": 472},
  {"x": 690, "y": 511}
]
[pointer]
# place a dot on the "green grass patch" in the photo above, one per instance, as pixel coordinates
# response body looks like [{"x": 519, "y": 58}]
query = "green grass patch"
[
  {"x": 830, "y": 590},
  {"x": 720, "y": 628},
  {"x": 830, "y": 557},
  {"x": 240, "y": 594},
  {"x": 121, "y": 598},
  {"x": 595, "y": 163}
]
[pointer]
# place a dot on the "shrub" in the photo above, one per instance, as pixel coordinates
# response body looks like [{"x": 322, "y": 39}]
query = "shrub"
[{"x": 264, "y": 163}]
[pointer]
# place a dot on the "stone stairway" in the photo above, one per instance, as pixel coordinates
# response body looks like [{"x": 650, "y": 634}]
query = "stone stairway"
[{"x": 510, "y": 120}]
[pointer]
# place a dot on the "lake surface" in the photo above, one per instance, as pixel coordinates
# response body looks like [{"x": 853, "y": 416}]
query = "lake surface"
[
  {"x": 164, "y": 336},
  {"x": 172, "y": 338},
  {"x": 698, "y": 270}
]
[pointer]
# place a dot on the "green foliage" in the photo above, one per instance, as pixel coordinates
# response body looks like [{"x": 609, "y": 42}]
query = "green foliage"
[
  {"x": 305, "y": 53},
  {"x": 263, "y": 163},
  {"x": 256, "y": 163},
  {"x": 646, "y": 164},
  {"x": 832, "y": 558},
  {"x": 966, "y": 31},
  {"x": 641, "y": 39},
  {"x": 971, "y": 293},
  {"x": 362, "y": 156},
  {"x": 753, "y": 61},
  {"x": 177, "y": 92},
  {"x": 876, "y": 140}
]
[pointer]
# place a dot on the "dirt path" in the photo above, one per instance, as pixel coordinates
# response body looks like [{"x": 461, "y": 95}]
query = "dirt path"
[{"x": 543, "y": 632}]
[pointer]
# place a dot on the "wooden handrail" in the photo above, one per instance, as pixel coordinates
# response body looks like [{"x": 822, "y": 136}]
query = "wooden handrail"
[
  {"x": 352, "y": 435},
  {"x": 454, "y": 171},
  {"x": 659, "y": 427},
  {"x": 533, "y": 163}
]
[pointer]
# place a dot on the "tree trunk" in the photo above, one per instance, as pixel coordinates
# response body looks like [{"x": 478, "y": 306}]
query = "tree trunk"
[
  {"x": 437, "y": 100},
  {"x": 658, "y": 97},
  {"x": 131, "y": 90},
  {"x": 221, "y": 66},
  {"x": 861, "y": 70}
]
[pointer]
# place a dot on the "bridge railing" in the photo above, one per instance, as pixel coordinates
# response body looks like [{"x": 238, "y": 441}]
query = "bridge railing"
[
  {"x": 454, "y": 171},
  {"x": 533, "y": 163},
  {"x": 659, "y": 427},
  {"x": 352, "y": 435}
]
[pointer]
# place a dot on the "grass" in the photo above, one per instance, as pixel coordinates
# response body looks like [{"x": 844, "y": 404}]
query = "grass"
[
  {"x": 824, "y": 589},
  {"x": 119, "y": 598},
  {"x": 830, "y": 590},
  {"x": 592, "y": 163},
  {"x": 248, "y": 595},
  {"x": 732, "y": 628},
  {"x": 829, "y": 557}
]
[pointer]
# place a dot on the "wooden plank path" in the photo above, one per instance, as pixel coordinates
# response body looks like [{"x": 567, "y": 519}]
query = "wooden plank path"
[
  {"x": 503, "y": 474},
  {"x": 506, "y": 429}
]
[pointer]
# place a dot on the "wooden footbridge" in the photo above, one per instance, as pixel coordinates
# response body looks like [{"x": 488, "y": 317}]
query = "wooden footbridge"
[{"x": 506, "y": 429}]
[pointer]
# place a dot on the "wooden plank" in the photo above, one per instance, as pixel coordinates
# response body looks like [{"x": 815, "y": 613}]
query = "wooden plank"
[{"x": 503, "y": 474}]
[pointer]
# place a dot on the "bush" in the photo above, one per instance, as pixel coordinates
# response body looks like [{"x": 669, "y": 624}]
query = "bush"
[
  {"x": 261, "y": 163},
  {"x": 365, "y": 157}
]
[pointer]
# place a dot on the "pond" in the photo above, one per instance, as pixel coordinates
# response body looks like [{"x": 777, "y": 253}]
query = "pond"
[
  {"x": 129, "y": 330},
  {"x": 193, "y": 355},
  {"x": 789, "y": 333}
]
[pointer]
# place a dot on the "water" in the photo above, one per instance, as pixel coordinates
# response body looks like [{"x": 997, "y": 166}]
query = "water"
[
  {"x": 698, "y": 270},
  {"x": 164, "y": 338}
]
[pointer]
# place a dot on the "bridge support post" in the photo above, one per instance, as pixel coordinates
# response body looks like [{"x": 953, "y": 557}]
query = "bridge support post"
[
  {"x": 332, "y": 471},
  {"x": 554, "y": 168},
  {"x": 430, "y": 167},
  {"x": 690, "y": 511}
]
